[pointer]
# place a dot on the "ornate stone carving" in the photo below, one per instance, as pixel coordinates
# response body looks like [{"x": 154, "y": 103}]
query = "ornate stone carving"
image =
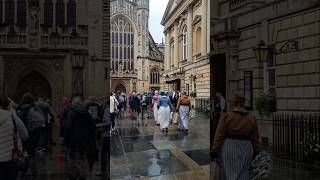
[{"x": 33, "y": 27}]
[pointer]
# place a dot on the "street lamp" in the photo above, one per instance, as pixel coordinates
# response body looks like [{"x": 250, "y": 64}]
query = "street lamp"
[{"x": 263, "y": 51}]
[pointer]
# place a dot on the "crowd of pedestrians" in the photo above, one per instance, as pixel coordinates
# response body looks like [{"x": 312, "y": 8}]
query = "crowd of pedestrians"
[{"x": 26, "y": 129}]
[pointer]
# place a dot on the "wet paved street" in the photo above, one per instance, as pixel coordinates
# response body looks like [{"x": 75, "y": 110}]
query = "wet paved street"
[{"x": 139, "y": 150}]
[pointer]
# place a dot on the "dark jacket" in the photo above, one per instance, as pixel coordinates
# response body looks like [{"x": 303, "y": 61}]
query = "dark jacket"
[
  {"x": 22, "y": 112},
  {"x": 236, "y": 123},
  {"x": 79, "y": 127},
  {"x": 135, "y": 102}
]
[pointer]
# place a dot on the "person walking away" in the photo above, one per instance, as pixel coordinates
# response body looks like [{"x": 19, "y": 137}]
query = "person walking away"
[
  {"x": 104, "y": 153},
  {"x": 79, "y": 133},
  {"x": 236, "y": 140},
  {"x": 113, "y": 110},
  {"x": 12, "y": 134},
  {"x": 120, "y": 100},
  {"x": 155, "y": 100},
  {"x": 144, "y": 104},
  {"x": 124, "y": 102},
  {"x": 220, "y": 107},
  {"x": 135, "y": 105},
  {"x": 44, "y": 136},
  {"x": 64, "y": 104},
  {"x": 34, "y": 120},
  {"x": 164, "y": 105},
  {"x": 94, "y": 109},
  {"x": 149, "y": 105},
  {"x": 184, "y": 107}
]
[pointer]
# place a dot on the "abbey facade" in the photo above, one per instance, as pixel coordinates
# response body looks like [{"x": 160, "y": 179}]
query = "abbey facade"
[
  {"x": 136, "y": 61},
  {"x": 54, "y": 48}
]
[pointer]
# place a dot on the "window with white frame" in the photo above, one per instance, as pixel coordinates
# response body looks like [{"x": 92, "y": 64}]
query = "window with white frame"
[
  {"x": 271, "y": 74},
  {"x": 185, "y": 44}
]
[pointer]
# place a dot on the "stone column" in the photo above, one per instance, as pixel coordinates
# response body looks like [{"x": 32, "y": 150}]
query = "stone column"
[
  {"x": 190, "y": 39},
  {"x": 204, "y": 28},
  {"x": 176, "y": 46}
]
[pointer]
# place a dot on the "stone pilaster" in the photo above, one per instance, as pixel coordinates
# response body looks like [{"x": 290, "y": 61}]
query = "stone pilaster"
[
  {"x": 176, "y": 47},
  {"x": 190, "y": 39},
  {"x": 204, "y": 27}
]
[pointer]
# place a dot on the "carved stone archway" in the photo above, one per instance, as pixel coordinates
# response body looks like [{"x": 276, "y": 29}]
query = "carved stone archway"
[
  {"x": 121, "y": 88},
  {"x": 34, "y": 83}
]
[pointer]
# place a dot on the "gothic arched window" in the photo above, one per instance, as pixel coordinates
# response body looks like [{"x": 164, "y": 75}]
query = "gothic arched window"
[
  {"x": 9, "y": 12},
  {"x": 60, "y": 13},
  {"x": 21, "y": 13},
  {"x": 72, "y": 13},
  {"x": 123, "y": 40},
  {"x": 48, "y": 13}
]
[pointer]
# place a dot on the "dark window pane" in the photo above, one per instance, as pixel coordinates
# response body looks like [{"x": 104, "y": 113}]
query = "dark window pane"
[
  {"x": 48, "y": 13},
  {"x": 132, "y": 57},
  {"x": 71, "y": 13},
  {"x": 116, "y": 38},
  {"x": 272, "y": 77},
  {"x": 113, "y": 37},
  {"x": 120, "y": 38},
  {"x": 60, "y": 13},
  {"x": 9, "y": 11},
  {"x": 120, "y": 52},
  {"x": 125, "y": 53},
  {"x": 270, "y": 60},
  {"x": 1, "y": 11},
  {"x": 116, "y": 52},
  {"x": 132, "y": 39},
  {"x": 125, "y": 38},
  {"x": 125, "y": 65},
  {"x": 21, "y": 13},
  {"x": 112, "y": 52}
]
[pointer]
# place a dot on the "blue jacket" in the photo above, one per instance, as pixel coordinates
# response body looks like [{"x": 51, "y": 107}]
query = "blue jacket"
[{"x": 165, "y": 102}]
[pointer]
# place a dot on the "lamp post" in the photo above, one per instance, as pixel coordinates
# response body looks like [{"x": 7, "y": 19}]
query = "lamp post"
[{"x": 263, "y": 51}]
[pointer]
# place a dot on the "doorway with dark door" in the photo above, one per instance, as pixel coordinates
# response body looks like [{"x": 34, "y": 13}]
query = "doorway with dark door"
[
  {"x": 217, "y": 84},
  {"x": 34, "y": 83}
]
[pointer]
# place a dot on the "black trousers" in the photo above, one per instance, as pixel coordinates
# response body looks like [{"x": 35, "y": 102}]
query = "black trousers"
[{"x": 8, "y": 171}]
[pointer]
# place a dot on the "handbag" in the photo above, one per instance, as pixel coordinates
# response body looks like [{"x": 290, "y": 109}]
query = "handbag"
[
  {"x": 17, "y": 156},
  {"x": 260, "y": 166}
]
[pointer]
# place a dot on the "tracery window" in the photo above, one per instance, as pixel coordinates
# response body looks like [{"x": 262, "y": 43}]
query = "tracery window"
[
  {"x": 21, "y": 12},
  {"x": 122, "y": 36},
  {"x": 9, "y": 12},
  {"x": 71, "y": 13},
  {"x": 155, "y": 76},
  {"x": 60, "y": 13},
  {"x": 48, "y": 13}
]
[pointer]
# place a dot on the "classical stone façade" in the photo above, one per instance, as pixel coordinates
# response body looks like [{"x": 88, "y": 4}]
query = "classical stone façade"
[
  {"x": 187, "y": 48},
  {"x": 291, "y": 74},
  {"x": 52, "y": 47},
  {"x": 136, "y": 61}
]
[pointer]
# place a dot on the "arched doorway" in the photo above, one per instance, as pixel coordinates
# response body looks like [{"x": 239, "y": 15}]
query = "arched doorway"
[
  {"x": 121, "y": 88},
  {"x": 34, "y": 83}
]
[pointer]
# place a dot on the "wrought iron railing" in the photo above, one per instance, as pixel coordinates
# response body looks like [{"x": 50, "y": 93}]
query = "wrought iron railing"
[{"x": 297, "y": 137}]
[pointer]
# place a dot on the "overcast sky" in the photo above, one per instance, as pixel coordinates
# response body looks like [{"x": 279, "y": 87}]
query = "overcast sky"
[{"x": 157, "y": 8}]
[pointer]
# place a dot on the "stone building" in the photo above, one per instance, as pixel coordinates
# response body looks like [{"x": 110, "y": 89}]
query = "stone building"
[
  {"x": 53, "y": 47},
  {"x": 136, "y": 61},
  {"x": 187, "y": 46},
  {"x": 290, "y": 32}
]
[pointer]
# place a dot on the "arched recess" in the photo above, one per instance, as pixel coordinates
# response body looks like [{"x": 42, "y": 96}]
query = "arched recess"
[
  {"x": 54, "y": 79},
  {"x": 34, "y": 83},
  {"x": 198, "y": 40},
  {"x": 121, "y": 88}
]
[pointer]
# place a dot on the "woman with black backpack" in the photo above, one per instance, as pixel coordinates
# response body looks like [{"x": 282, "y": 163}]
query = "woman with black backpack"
[{"x": 12, "y": 133}]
